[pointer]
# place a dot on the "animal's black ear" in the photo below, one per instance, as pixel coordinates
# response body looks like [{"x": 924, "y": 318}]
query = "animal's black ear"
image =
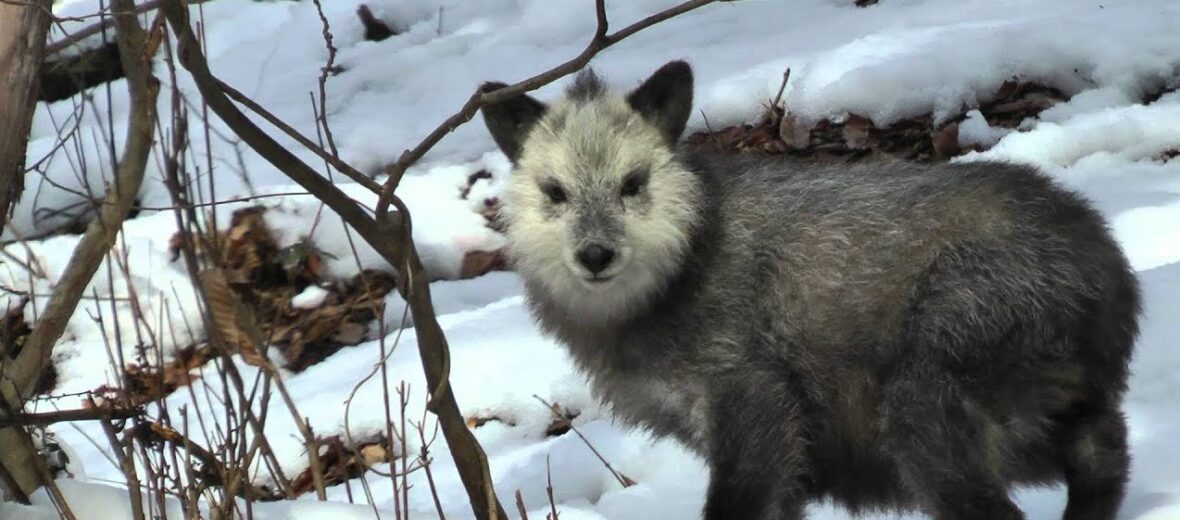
[
  {"x": 665, "y": 99},
  {"x": 509, "y": 121}
]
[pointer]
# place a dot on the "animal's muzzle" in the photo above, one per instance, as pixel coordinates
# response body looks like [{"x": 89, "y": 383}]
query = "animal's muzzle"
[{"x": 595, "y": 258}]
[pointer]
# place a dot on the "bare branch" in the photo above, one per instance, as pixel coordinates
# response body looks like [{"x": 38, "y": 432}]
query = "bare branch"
[
  {"x": 47, "y": 418},
  {"x": 480, "y": 98},
  {"x": 98, "y": 27},
  {"x": 332, "y": 158}
]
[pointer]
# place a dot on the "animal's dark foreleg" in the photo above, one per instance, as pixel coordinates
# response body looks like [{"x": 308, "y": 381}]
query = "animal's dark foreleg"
[{"x": 755, "y": 451}]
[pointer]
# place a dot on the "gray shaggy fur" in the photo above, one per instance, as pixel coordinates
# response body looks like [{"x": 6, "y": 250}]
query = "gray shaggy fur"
[{"x": 893, "y": 336}]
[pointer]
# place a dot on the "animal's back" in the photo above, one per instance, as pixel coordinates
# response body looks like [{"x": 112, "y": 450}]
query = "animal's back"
[{"x": 845, "y": 251}]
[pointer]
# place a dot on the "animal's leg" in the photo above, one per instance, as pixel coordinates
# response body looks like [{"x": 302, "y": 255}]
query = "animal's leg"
[
  {"x": 1096, "y": 463},
  {"x": 948, "y": 452},
  {"x": 756, "y": 453}
]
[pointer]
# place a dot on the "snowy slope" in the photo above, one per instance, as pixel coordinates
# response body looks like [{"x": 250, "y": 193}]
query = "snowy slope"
[{"x": 897, "y": 59}]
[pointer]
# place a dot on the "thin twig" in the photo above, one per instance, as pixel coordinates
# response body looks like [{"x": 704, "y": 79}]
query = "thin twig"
[
  {"x": 127, "y": 465},
  {"x": 325, "y": 71},
  {"x": 783, "y": 86},
  {"x": 524, "y": 514},
  {"x": 424, "y": 457},
  {"x": 622, "y": 479},
  {"x": 549, "y": 490}
]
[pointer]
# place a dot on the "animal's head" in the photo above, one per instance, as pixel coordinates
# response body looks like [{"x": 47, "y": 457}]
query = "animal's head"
[{"x": 599, "y": 210}]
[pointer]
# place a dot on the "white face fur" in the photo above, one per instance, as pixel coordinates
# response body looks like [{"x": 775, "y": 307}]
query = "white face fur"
[{"x": 599, "y": 211}]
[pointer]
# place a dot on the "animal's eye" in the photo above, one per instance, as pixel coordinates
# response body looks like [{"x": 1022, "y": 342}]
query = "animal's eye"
[
  {"x": 634, "y": 182},
  {"x": 554, "y": 192}
]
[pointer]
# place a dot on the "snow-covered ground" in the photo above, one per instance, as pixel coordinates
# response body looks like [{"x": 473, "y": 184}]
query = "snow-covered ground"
[{"x": 897, "y": 59}]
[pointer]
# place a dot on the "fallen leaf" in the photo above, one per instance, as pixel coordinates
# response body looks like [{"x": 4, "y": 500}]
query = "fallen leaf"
[
  {"x": 479, "y": 263},
  {"x": 856, "y": 132},
  {"x": 793, "y": 133},
  {"x": 946, "y": 141}
]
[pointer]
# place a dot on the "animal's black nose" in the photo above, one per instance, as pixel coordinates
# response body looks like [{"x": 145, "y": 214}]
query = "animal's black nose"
[{"x": 595, "y": 257}]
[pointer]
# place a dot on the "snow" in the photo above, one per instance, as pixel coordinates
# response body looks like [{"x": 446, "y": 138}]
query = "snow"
[
  {"x": 898, "y": 59},
  {"x": 976, "y": 130},
  {"x": 1132, "y": 131},
  {"x": 311, "y": 297}
]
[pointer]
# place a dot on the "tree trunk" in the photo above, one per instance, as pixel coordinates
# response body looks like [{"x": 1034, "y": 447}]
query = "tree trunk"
[
  {"x": 23, "y": 28},
  {"x": 22, "y": 45}
]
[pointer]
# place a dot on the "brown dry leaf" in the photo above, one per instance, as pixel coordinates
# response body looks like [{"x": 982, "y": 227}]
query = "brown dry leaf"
[
  {"x": 312, "y": 266},
  {"x": 307, "y": 336},
  {"x": 1015, "y": 101},
  {"x": 339, "y": 463},
  {"x": 175, "y": 243},
  {"x": 248, "y": 244},
  {"x": 374, "y": 454},
  {"x": 148, "y": 384},
  {"x": 560, "y": 425},
  {"x": 479, "y": 263},
  {"x": 13, "y": 328},
  {"x": 250, "y": 300},
  {"x": 733, "y": 136},
  {"x": 563, "y": 420},
  {"x": 375, "y": 29},
  {"x": 795, "y": 134},
  {"x": 231, "y": 318},
  {"x": 856, "y": 132},
  {"x": 1032, "y": 103},
  {"x": 221, "y": 306},
  {"x": 1007, "y": 89},
  {"x": 476, "y": 422},
  {"x": 263, "y": 278},
  {"x": 349, "y": 334},
  {"x": 237, "y": 233},
  {"x": 946, "y": 141}
]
